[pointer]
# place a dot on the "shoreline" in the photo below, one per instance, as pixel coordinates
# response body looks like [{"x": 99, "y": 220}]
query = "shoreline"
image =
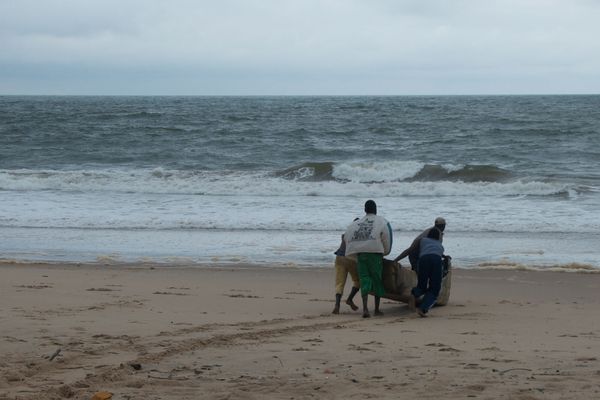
[
  {"x": 469, "y": 249},
  {"x": 256, "y": 332},
  {"x": 499, "y": 265}
]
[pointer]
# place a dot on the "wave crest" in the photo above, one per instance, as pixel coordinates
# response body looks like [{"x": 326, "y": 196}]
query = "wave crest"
[
  {"x": 309, "y": 179},
  {"x": 310, "y": 171},
  {"x": 394, "y": 171},
  {"x": 467, "y": 173}
]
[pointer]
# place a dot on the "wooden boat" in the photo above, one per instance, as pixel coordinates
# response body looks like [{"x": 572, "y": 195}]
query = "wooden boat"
[{"x": 398, "y": 280}]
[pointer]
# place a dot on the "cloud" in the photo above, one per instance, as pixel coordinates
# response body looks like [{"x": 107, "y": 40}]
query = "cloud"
[{"x": 405, "y": 44}]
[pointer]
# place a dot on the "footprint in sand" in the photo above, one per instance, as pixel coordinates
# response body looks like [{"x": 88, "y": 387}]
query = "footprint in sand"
[
  {"x": 171, "y": 293},
  {"x": 443, "y": 347},
  {"x": 34, "y": 286},
  {"x": 493, "y": 348},
  {"x": 358, "y": 348},
  {"x": 313, "y": 342},
  {"x": 300, "y": 349},
  {"x": 374, "y": 343},
  {"x": 241, "y": 296},
  {"x": 14, "y": 339}
]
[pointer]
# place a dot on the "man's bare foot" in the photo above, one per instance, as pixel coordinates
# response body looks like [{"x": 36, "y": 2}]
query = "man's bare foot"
[
  {"x": 336, "y": 310},
  {"x": 353, "y": 306},
  {"x": 378, "y": 313},
  {"x": 366, "y": 314}
]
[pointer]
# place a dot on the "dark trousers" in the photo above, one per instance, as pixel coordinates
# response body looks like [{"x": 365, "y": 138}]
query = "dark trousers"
[
  {"x": 414, "y": 261},
  {"x": 429, "y": 283}
]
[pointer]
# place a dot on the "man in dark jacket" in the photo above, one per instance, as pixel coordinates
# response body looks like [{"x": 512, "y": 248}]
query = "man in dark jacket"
[{"x": 413, "y": 250}]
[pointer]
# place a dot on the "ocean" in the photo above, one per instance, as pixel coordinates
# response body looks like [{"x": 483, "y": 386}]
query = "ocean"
[{"x": 276, "y": 180}]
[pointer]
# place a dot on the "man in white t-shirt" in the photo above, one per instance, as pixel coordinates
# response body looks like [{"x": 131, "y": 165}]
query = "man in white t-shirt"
[{"x": 369, "y": 239}]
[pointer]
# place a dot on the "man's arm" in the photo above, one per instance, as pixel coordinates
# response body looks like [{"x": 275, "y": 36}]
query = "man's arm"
[
  {"x": 387, "y": 239},
  {"x": 413, "y": 248}
]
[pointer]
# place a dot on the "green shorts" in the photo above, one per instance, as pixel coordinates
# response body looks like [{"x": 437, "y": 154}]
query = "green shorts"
[{"x": 370, "y": 269}]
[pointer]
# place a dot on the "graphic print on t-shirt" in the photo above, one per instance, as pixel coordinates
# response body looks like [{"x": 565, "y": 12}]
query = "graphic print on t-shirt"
[{"x": 364, "y": 231}]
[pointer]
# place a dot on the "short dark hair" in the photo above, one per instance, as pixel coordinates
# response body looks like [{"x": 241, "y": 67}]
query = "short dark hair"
[
  {"x": 440, "y": 223},
  {"x": 434, "y": 233},
  {"x": 370, "y": 207}
]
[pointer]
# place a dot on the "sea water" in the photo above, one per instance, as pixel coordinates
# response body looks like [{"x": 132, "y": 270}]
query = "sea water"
[{"x": 276, "y": 180}]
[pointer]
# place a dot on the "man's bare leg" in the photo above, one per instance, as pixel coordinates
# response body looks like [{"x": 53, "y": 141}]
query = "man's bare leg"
[
  {"x": 377, "y": 310},
  {"x": 365, "y": 309},
  {"x": 338, "y": 299},
  {"x": 350, "y": 301}
]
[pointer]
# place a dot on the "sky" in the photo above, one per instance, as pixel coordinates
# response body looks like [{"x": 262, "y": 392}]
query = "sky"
[{"x": 299, "y": 47}]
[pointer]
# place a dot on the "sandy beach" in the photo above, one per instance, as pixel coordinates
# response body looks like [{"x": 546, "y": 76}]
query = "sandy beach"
[{"x": 252, "y": 332}]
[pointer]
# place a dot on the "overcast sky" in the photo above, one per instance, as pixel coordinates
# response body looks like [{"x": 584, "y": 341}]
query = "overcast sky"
[{"x": 287, "y": 47}]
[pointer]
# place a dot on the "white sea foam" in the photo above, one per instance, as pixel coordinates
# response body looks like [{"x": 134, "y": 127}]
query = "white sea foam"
[
  {"x": 258, "y": 217},
  {"x": 115, "y": 210},
  {"x": 389, "y": 171},
  {"x": 519, "y": 266},
  {"x": 452, "y": 167},
  {"x": 262, "y": 183}
]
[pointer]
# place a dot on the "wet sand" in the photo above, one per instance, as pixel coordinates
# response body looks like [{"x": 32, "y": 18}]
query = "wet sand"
[{"x": 252, "y": 332}]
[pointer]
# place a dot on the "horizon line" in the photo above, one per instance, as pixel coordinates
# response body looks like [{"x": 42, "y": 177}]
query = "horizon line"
[{"x": 300, "y": 95}]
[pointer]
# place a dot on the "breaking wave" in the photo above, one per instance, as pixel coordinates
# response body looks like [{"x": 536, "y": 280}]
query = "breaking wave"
[
  {"x": 387, "y": 179},
  {"x": 467, "y": 173},
  {"x": 310, "y": 171},
  {"x": 395, "y": 171}
]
